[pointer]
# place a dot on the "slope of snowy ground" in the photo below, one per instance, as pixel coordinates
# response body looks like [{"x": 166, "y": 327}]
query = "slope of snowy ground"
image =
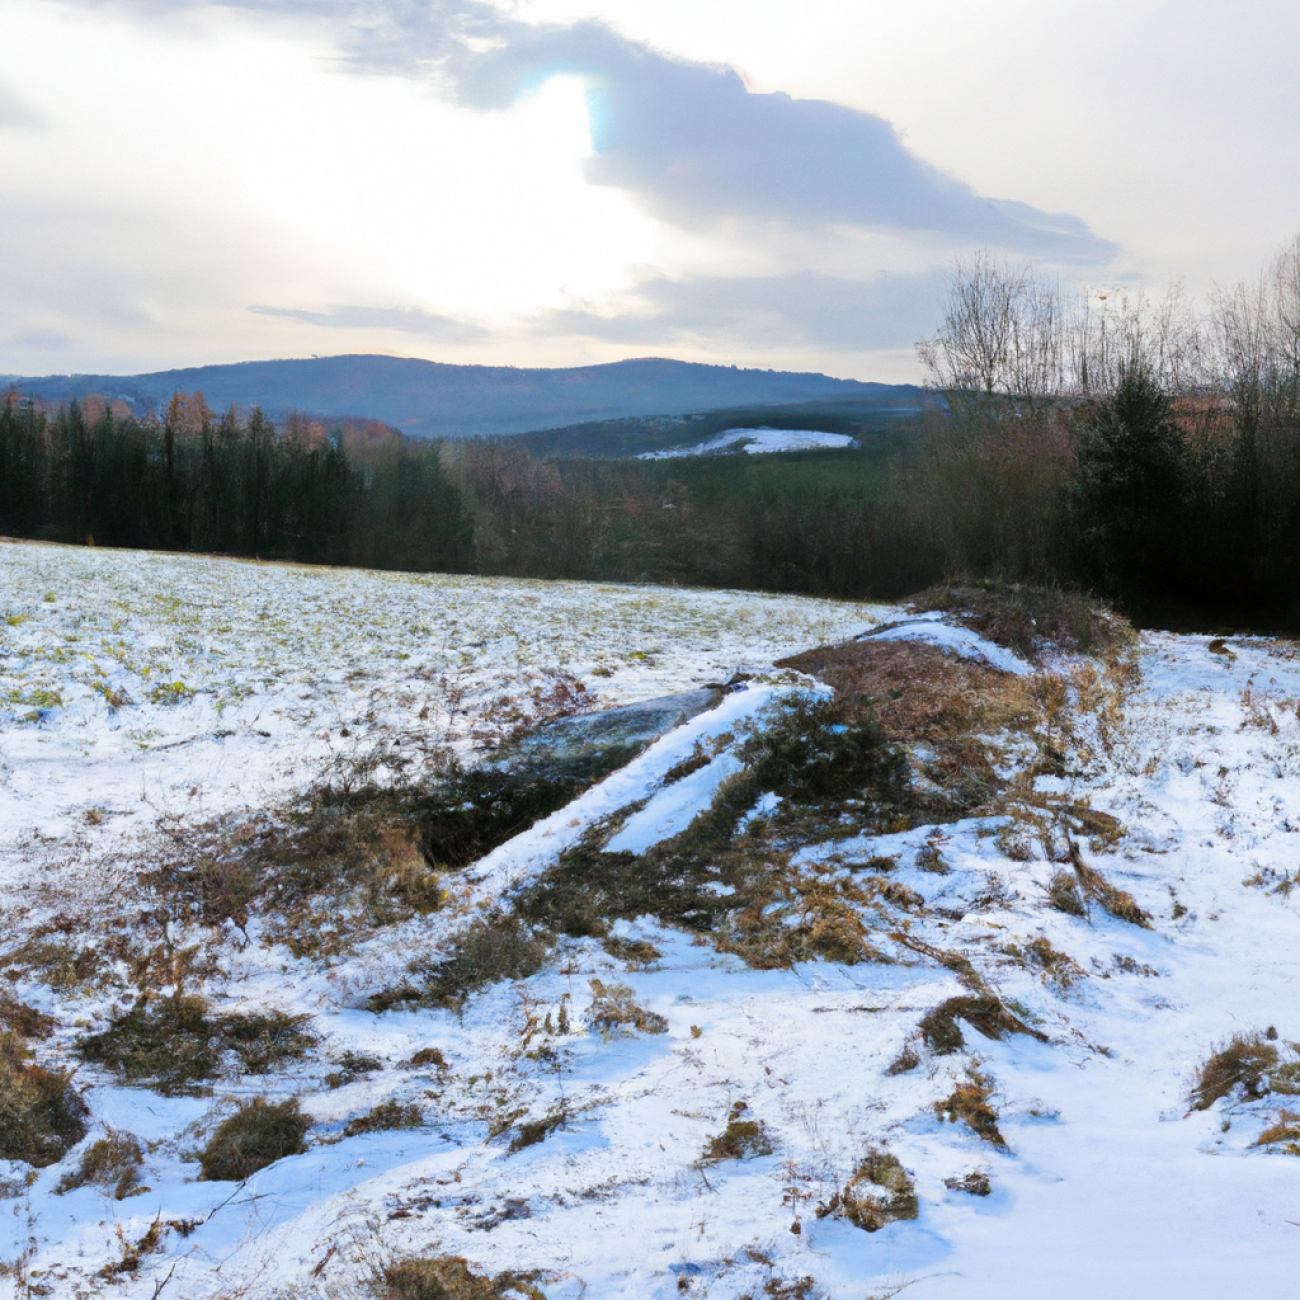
[
  {"x": 136, "y": 685},
  {"x": 757, "y": 442},
  {"x": 548, "y": 1144}
]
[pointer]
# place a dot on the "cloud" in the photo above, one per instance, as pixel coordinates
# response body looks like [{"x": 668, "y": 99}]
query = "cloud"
[
  {"x": 15, "y": 114},
  {"x": 787, "y": 311},
  {"x": 688, "y": 139},
  {"x": 407, "y": 320}
]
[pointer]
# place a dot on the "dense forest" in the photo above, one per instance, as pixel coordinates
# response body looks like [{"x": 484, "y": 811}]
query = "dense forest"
[{"x": 1127, "y": 447}]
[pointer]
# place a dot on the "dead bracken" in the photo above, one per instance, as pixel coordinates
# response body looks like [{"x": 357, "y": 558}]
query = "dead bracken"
[
  {"x": 742, "y": 1139},
  {"x": 879, "y": 1193},
  {"x": 112, "y": 1164},
  {"x": 969, "y": 1101},
  {"x": 1250, "y": 1063},
  {"x": 449, "y": 1277},
  {"x": 985, "y": 1013}
]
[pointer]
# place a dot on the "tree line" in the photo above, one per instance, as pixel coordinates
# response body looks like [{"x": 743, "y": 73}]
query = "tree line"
[{"x": 1131, "y": 447}]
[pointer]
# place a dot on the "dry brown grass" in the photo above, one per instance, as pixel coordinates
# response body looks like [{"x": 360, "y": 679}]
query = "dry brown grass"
[
  {"x": 449, "y": 1277},
  {"x": 387, "y": 1115},
  {"x": 984, "y": 1013},
  {"x": 1249, "y": 1062},
  {"x": 612, "y": 1011},
  {"x": 1031, "y": 619},
  {"x": 112, "y": 1163},
  {"x": 1119, "y": 904},
  {"x": 40, "y": 1115},
  {"x": 1284, "y": 1134},
  {"x": 174, "y": 1045},
  {"x": 256, "y": 1135},
  {"x": 742, "y": 1139},
  {"x": 1055, "y": 967},
  {"x": 970, "y": 1102},
  {"x": 879, "y": 1193}
]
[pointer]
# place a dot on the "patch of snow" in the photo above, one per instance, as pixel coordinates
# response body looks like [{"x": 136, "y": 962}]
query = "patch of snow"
[
  {"x": 758, "y": 442},
  {"x": 959, "y": 640}
]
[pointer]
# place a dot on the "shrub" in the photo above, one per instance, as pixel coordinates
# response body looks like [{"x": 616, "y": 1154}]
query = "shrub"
[
  {"x": 112, "y": 1162},
  {"x": 742, "y": 1139},
  {"x": 970, "y": 1102},
  {"x": 174, "y": 1046},
  {"x": 256, "y": 1135},
  {"x": 387, "y": 1115},
  {"x": 870, "y": 1210},
  {"x": 40, "y": 1115}
]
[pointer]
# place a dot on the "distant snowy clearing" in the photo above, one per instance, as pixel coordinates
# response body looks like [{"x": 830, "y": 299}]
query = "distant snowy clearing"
[
  {"x": 758, "y": 441},
  {"x": 908, "y": 961}
]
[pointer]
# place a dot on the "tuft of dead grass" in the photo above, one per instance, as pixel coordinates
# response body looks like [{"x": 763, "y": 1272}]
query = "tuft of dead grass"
[
  {"x": 970, "y": 1102},
  {"x": 1249, "y": 1062},
  {"x": 18, "y": 1018},
  {"x": 112, "y": 1163},
  {"x": 742, "y": 1139},
  {"x": 41, "y": 1117},
  {"x": 491, "y": 948},
  {"x": 1056, "y": 967},
  {"x": 983, "y": 1012},
  {"x": 1063, "y": 891},
  {"x": 612, "y": 1010},
  {"x": 387, "y": 1115},
  {"x": 636, "y": 954},
  {"x": 256, "y": 1135},
  {"x": 1284, "y": 1134},
  {"x": 869, "y": 1209},
  {"x": 976, "y": 1183},
  {"x": 174, "y": 1046},
  {"x": 449, "y": 1277},
  {"x": 1119, "y": 904}
]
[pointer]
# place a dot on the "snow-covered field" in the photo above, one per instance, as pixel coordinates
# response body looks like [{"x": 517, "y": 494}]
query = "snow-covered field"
[
  {"x": 242, "y": 680},
  {"x": 757, "y": 442}
]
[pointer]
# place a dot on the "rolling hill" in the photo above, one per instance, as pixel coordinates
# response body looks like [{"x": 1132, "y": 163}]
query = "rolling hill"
[{"x": 430, "y": 399}]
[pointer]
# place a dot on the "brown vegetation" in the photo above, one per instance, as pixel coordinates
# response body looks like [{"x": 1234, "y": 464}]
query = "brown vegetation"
[
  {"x": 111, "y": 1163},
  {"x": 871, "y": 1209},
  {"x": 256, "y": 1135},
  {"x": 40, "y": 1115},
  {"x": 970, "y": 1102},
  {"x": 984, "y": 1012},
  {"x": 449, "y": 1277},
  {"x": 742, "y": 1139}
]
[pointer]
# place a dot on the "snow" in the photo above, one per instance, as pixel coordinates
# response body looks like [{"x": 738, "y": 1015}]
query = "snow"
[
  {"x": 933, "y": 629},
  {"x": 758, "y": 441},
  {"x": 1109, "y": 1185}
]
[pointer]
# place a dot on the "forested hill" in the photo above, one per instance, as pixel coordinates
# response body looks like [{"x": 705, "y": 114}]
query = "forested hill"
[{"x": 429, "y": 399}]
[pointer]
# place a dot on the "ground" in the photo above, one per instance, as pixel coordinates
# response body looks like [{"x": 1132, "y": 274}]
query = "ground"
[{"x": 828, "y": 1025}]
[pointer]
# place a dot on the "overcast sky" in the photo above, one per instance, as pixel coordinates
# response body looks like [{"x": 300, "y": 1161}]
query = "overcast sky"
[{"x": 562, "y": 182}]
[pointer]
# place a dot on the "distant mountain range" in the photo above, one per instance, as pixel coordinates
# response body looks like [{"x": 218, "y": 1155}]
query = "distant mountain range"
[{"x": 429, "y": 399}]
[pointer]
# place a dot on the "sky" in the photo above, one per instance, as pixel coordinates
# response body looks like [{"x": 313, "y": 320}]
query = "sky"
[{"x": 559, "y": 182}]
